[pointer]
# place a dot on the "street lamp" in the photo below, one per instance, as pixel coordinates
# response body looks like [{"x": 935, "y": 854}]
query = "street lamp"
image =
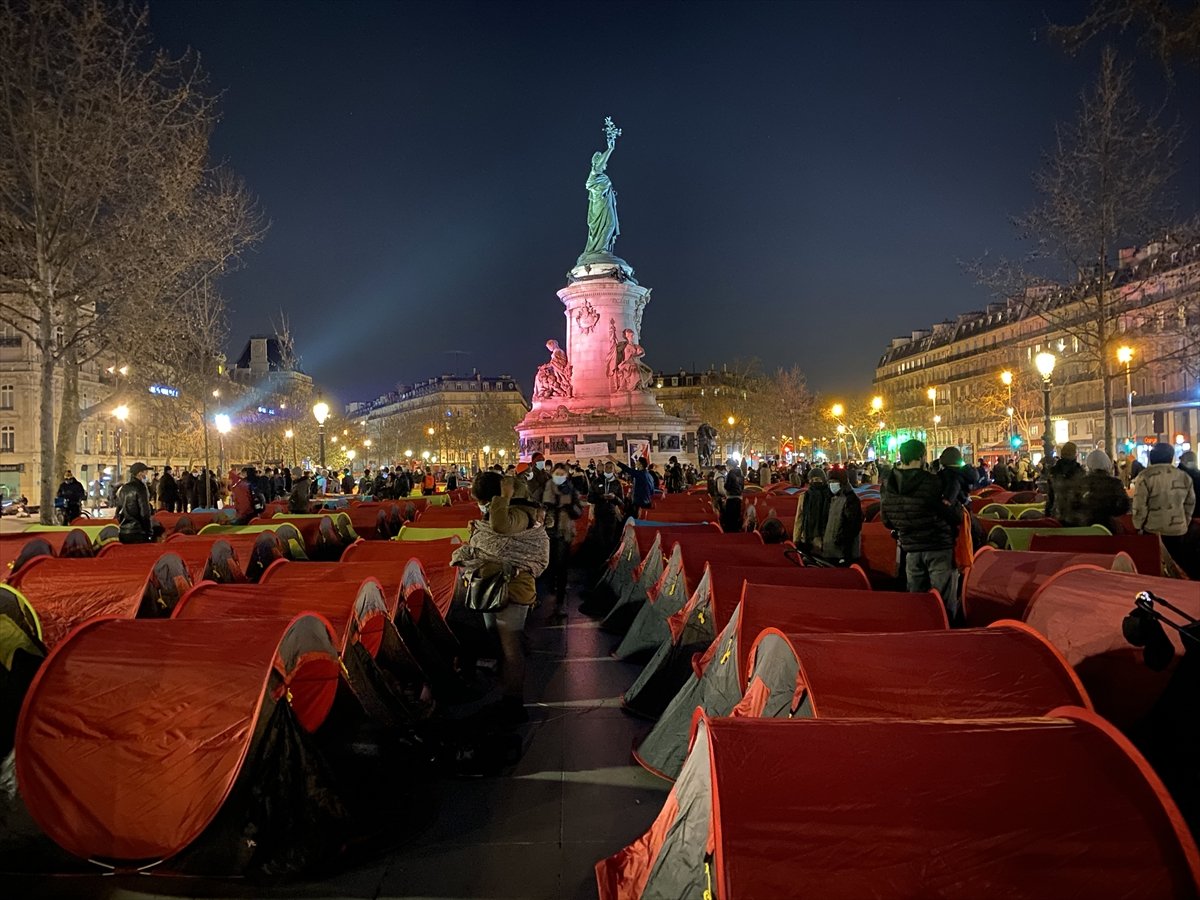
[
  {"x": 320, "y": 412},
  {"x": 1006, "y": 378},
  {"x": 730, "y": 421},
  {"x": 1045, "y": 366},
  {"x": 224, "y": 426},
  {"x": 841, "y": 430},
  {"x": 876, "y": 403},
  {"x": 291, "y": 436},
  {"x": 1125, "y": 355},
  {"x": 121, "y": 413},
  {"x": 837, "y": 410}
]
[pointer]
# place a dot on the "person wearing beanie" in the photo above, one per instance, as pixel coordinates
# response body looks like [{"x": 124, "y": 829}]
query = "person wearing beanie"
[
  {"x": 1103, "y": 497},
  {"x": 1064, "y": 486},
  {"x": 912, "y": 506},
  {"x": 1164, "y": 499},
  {"x": 957, "y": 479}
]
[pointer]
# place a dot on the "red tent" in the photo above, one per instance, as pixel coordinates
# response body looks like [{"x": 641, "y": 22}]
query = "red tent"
[
  {"x": 18, "y": 549},
  {"x": 205, "y": 561},
  {"x": 189, "y": 522},
  {"x": 1080, "y": 612},
  {"x": 1146, "y": 550},
  {"x": 320, "y": 536},
  {"x": 67, "y": 592},
  {"x": 843, "y": 808},
  {"x": 720, "y": 674},
  {"x": 681, "y": 574},
  {"x": 356, "y": 611},
  {"x": 693, "y": 627},
  {"x": 1000, "y": 583},
  {"x": 255, "y": 552},
  {"x": 430, "y": 553},
  {"x": 135, "y": 734},
  {"x": 879, "y": 554},
  {"x": 1007, "y": 671},
  {"x": 410, "y": 602}
]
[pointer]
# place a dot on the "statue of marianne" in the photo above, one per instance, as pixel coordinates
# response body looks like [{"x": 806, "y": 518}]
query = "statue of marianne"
[{"x": 603, "y": 226}]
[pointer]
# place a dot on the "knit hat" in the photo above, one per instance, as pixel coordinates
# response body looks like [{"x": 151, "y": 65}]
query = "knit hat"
[
  {"x": 1162, "y": 453},
  {"x": 1069, "y": 450},
  {"x": 1187, "y": 459},
  {"x": 1098, "y": 461},
  {"x": 137, "y": 469}
]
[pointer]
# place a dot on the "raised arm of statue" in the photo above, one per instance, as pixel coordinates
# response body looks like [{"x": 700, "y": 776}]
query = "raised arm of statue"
[{"x": 600, "y": 160}]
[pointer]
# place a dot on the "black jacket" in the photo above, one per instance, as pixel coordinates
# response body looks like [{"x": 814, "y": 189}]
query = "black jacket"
[
  {"x": 133, "y": 509},
  {"x": 168, "y": 490},
  {"x": 913, "y": 506},
  {"x": 1064, "y": 491},
  {"x": 72, "y": 492},
  {"x": 1103, "y": 500}
]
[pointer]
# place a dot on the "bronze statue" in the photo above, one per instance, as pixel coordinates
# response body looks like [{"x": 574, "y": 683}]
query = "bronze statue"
[{"x": 603, "y": 226}]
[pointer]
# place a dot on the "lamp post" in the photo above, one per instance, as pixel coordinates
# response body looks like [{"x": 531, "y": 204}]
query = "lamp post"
[
  {"x": 291, "y": 436},
  {"x": 1045, "y": 366},
  {"x": 320, "y": 412},
  {"x": 1125, "y": 355},
  {"x": 367, "y": 452},
  {"x": 224, "y": 426},
  {"x": 841, "y": 431},
  {"x": 876, "y": 408},
  {"x": 121, "y": 413}
]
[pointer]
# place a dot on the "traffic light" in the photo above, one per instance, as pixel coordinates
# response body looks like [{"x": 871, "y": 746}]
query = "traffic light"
[{"x": 1016, "y": 441}]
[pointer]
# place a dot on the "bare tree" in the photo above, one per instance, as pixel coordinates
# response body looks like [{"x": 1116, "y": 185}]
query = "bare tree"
[
  {"x": 1169, "y": 30},
  {"x": 1102, "y": 186},
  {"x": 112, "y": 213}
]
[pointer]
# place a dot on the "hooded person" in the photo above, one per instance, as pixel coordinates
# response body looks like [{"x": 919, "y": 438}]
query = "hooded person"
[
  {"x": 814, "y": 513},
  {"x": 1187, "y": 464},
  {"x": 841, "y": 543},
  {"x": 1064, "y": 486},
  {"x": 1103, "y": 498},
  {"x": 133, "y": 507},
  {"x": 301, "y": 491}
]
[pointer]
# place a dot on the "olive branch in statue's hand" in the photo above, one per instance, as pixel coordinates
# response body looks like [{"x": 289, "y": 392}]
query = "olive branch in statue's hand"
[{"x": 611, "y": 131}]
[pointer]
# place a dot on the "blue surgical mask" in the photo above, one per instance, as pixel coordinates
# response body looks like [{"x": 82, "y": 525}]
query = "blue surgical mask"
[
  {"x": 559, "y": 479},
  {"x": 539, "y": 465},
  {"x": 835, "y": 486}
]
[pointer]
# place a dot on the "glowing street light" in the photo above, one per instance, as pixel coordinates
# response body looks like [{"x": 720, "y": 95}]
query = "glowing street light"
[
  {"x": 837, "y": 410},
  {"x": 1045, "y": 366},
  {"x": 320, "y": 412},
  {"x": 876, "y": 403},
  {"x": 350, "y": 454},
  {"x": 1125, "y": 355},
  {"x": 224, "y": 426},
  {"x": 425, "y": 455},
  {"x": 1006, "y": 378},
  {"x": 291, "y": 436}
]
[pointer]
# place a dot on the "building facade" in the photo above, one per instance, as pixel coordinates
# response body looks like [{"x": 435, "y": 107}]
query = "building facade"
[
  {"x": 948, "y": 380},
  {"x": 462, "y": 419}
]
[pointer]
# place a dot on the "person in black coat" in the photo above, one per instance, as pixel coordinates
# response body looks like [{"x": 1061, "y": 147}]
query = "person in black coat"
[
  {"x": 168, "y": 492},
  {"x": 914, "y": 507},
  {"x": 1102, "y": 496},
  {"x": 133, "y": 507}
]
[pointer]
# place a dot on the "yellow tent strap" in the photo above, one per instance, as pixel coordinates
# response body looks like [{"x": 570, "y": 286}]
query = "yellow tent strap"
[
  {"x": 728, "y": 650},
  {"x": 700, "y": 617},
  {"x": 708, "y": 894},
  {"x": 671, "y": 592}
]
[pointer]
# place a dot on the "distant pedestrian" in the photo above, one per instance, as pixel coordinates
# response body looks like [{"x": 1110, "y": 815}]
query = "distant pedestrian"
[
  {"x": 133, "y": 507},
  {"x": 1103, "y": 498},
  {"x": 1164, "y": 499},
  {"x": 168, "y": 492}
]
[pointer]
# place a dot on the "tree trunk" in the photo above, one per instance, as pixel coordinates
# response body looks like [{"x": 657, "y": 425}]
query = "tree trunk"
[
  {"x": 1110, "y": 446},
  {"x": 69, "y": 413},
  {"x": 46, "y": 487}
]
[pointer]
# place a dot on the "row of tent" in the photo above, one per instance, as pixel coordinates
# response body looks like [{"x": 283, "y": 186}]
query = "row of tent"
[
  {"x": 833, "y": 740},
  {"x": 193, "y": 705}
]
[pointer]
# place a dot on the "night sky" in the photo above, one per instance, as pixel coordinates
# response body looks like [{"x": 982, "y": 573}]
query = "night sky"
[{"x": 797, "y": 182}]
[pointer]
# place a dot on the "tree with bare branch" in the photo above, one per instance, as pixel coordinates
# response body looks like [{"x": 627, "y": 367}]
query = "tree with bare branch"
[{"x": 112, "y": 215}]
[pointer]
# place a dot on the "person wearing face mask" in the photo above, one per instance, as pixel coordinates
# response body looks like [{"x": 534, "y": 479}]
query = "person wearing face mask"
[
  {"x": 563, "y": 507},
  {"x": 133, "y": 507},
  {"x": 841, "y": 543},
  {"x": 531, "y": 483}
]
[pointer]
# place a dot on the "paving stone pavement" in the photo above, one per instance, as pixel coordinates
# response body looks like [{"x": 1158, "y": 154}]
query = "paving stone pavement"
[{"x": 534, "y": 833}]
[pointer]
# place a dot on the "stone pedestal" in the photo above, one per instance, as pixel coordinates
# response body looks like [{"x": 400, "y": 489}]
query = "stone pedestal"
[{"x": 600, "y": 301}]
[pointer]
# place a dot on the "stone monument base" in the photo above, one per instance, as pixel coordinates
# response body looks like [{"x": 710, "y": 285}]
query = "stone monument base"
[{"x": 559, "y": 432}]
